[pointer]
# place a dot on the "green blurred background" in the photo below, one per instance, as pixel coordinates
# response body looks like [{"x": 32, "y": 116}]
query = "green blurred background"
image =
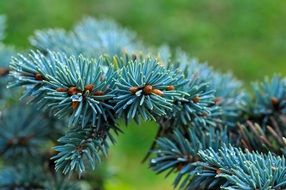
[{"x": 247, "y": 37}]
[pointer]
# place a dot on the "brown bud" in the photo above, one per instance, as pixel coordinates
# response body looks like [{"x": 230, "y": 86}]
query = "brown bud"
[
  {"x": 61, "y": 90},
  {"x": 148, "y": 89},
  {"x": 23, "y": 141},
  {"x": 274, "y": 101},
  {"x": 74, "y": 105},
  {"x": 88, "y": 87},
  {"x": 171, "y": 87},
  {"x": 196, "y": 99},
  {"x": 38, "y": 76},
  {"x": 218, "y": 100},
  {"x": 179, "y": 166},
  {"x": 79, "y": 148},
  {"x": 10, "y": 142},
  {"x": 134, "y": 57},
  {"x": 99, "y": 93},
  {"x": 133, "y": 89},
  {"x": 203, "y": 114},
  {"x": 158, "y": 92},
  {"x": 4, "y": 71},
  {"x": 72, "y": 91},
  {"x": 218, "y": 171}
]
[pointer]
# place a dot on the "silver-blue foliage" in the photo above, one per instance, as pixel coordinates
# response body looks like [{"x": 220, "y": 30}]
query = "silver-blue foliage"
[
  {"x": 146, "y": 89},
  {"x": 23, "y": 132},
  {"x": 90, "y": 37},
  {"x": 228, "y": 94},
  {"x": 81, "y": 148},
  {"x": 269, "y": 99},
  {"x": 99, "y": 72},
  {"x": 242, "y": 170},
  {"x": 177, "y": 152},
  {"x": 62, "y": 85}
]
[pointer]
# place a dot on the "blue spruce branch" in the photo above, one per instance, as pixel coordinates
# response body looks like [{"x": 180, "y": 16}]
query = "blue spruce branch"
[{"x": 98, "y": 73}]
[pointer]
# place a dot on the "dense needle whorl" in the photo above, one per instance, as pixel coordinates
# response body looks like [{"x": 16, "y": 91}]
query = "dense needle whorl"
[
  {"x": 65, "y": 86},
  {"x": 228, "y": 92},
  {"x": 269, "y": 99},
  {"x": 146, "y": 88},
  {"x": 198, "y": 106}
]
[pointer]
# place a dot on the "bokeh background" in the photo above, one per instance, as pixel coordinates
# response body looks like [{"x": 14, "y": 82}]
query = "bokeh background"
[{"x": 247, "y": 37}]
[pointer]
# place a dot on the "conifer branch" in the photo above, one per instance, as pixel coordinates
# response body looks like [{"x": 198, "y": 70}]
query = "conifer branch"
[{"x": 99, "y": 73}]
